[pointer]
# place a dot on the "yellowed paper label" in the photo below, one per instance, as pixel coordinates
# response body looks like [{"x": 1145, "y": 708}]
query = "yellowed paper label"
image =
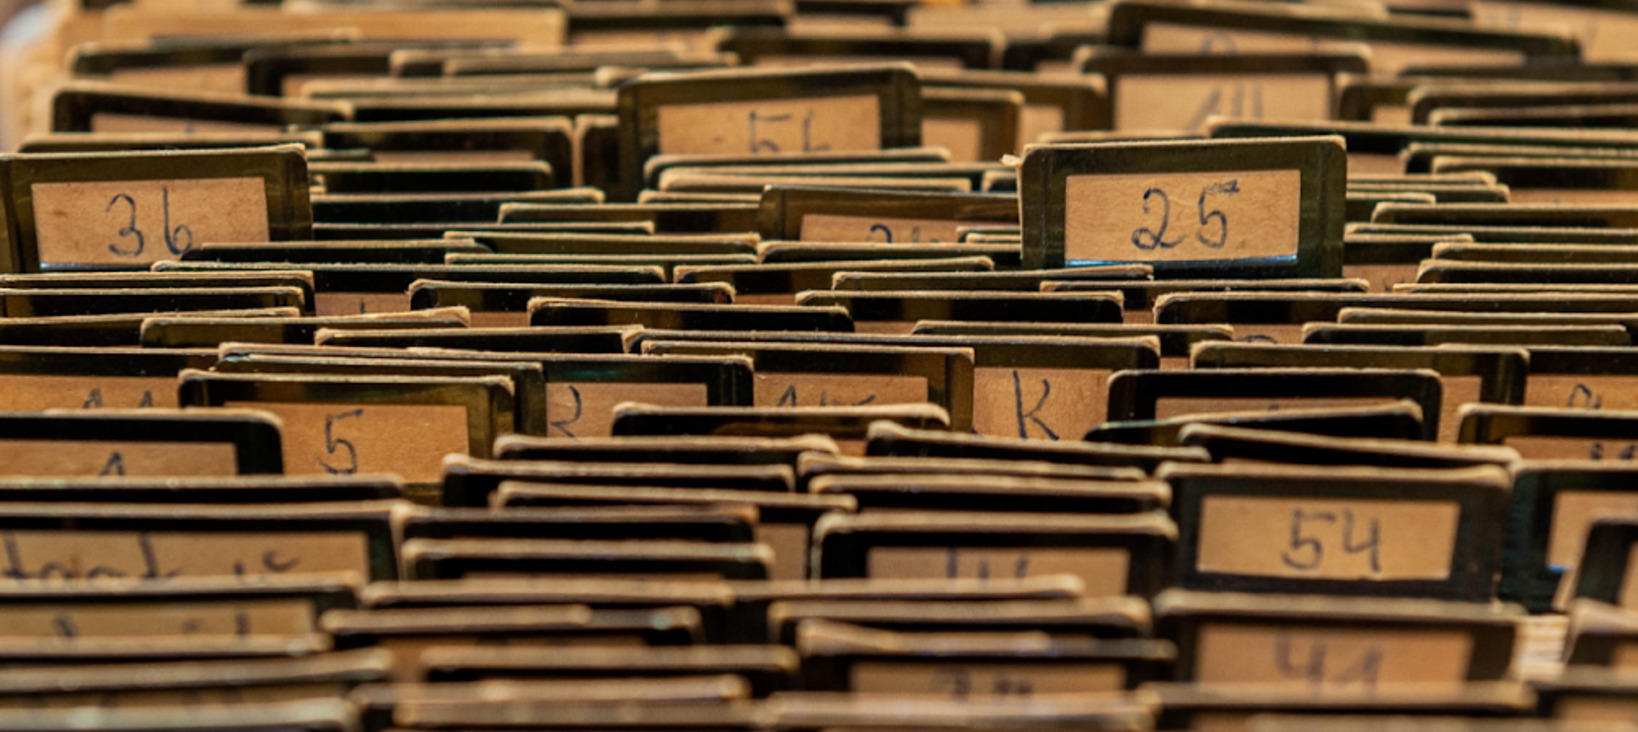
[
  {"x": 837, "y": 390},
  {"x": 1104, "y": 570},
  {"x": 1582, "y": 391},
  {"x": 586, "y": 409},
  {"x": 1573, "y": 448},
  {"x": 1181, "y": 217},
  {"x": 771, "y": 126},
  {"x": 346, "y": 439},
  {"x": 1039, "y": 404},
  {"x": 135, "y": 223},
  {"x": 57, "y": 556},
  {"x": 790, "y": 545},
  {"x": 329, "y": 304},
  {"x": 1334, "y": 539},
  {"x": 986, "y": 680},
  {"x": 1330, "y": 659},
  {"x": 1380, "y": 277},
  {"x": 1169, "y": 407},
  {"x": 38, "y": 392},
  {"x": 833, "y": 227},
  {"x": 1573, "y": 514},
  {"x": 81, "y": 458},
  {"x": 1186, "y": 101},
  {"x": 962, "y": 136},
  {"x": 126, "y": 620}
]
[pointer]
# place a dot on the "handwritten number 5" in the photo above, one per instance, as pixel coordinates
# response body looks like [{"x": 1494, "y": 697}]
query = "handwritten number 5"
[
  {"x": 130, "y": 228},
  {"x": 1226, "y": 188},
  {"x": 331, "y": 442}
]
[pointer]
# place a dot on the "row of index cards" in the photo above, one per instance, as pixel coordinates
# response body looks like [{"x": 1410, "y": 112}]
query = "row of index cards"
[{"x": 819, "y": 365}]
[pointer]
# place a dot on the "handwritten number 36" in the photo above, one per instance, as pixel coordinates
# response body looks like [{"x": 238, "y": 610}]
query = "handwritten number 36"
[
  {"x": 173, "y": 235},
  {"x": 1212, "y": 231}
]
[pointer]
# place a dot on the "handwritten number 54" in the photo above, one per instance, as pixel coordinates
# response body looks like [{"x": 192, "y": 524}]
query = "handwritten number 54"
[{"x": 1212, "y": 231}]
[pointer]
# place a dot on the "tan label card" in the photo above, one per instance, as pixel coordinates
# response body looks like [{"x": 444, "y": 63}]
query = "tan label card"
[
  {"x": 1455, "y": 391},
  {"x": 1605, "y": 34},
  {"x": 1284, "y": 333},
  {"x": 129, "y": 123},
  {"x": 1570, "y": 196},
  {"x": 1182, "y": 217},
  {"x": 832, "y": 227},
  {"x": 1629, "y": 583},
  {"x": 181, "y": 697},
  {"x": 55, "y": 556},
  {"x": 1380, "y": 277},
  {"x": 1573, "y": 514},
  {"x": 1332, "y": 659},
  {"x": 142, "y": 221},
  {"x": 985, "y": 680},
  {"x": 1387, "y": 57},
  {"x": 192, "y": 619},
  {"x": 884, "y": 327},
  {"x": 1186, "y": 101},
  {"x": 81, "y": 458},
  {"x": 224, "y": 78},
  {"x": 587, "y": 409},
  {"x": 1104, "y": 570},
  {"x": 1373, "y": 164},
  {"x": 1039, "y": 404},
  {"x": 1320, "y": 538},
  {"x": 1169, "y": 407},
  {"x": 1038, "y": 119},
  {"x": 37, "y": 393},
  {"x": 1590, "y": 708},
  {"x": 837, "y": 390},
  {"x": 327, "y": 304},
  {"x": 344, "y": 439},
  {"x": 790, "y": 545},
  {"x": 962, "y": 136},
  {"x": 1573, "y": 448},
  {"x": 1582, "y": 391},
  {"x": 772, "y": 126},
  {"x": 1624, "y": 654}
]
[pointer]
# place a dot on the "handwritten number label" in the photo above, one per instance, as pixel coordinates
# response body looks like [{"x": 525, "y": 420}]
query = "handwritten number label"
[
  {"x": 332, "y": 443},
  {"x": 1307, "y": 552},
  {"x": 887, "y": 235},
  {"x": 173, "y": 235},
  {"x": 1212, "y": 231},
  {"x": 761, "y": 144},
  {"x": 1617, "y": 452},
  {"x": 1583, "y": 397},
  {"x": 563, "y": 425},
  {"x": 130, "y": 228},
  {"x": 1207, "y": 218},
  {"x": 1203, "y": 215},
  {"x": 1018, "y": 568},
  {"x": 958, "y": 683},
  {"x": 1032, "y": 415},
  {"x": 1146, "y": 238},
  {"x": 1316, "y": 667}
]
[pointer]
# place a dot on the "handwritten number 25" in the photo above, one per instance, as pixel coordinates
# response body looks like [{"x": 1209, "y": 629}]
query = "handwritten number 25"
[
  {"x": 173, "y": 235},
  {"x": 1148, "y": 239}
]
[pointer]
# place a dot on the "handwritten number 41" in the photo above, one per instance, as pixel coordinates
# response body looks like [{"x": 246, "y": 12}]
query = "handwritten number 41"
[
  {"x": 1148, "y": 239},
  {"x": 173, "y": 235}
]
